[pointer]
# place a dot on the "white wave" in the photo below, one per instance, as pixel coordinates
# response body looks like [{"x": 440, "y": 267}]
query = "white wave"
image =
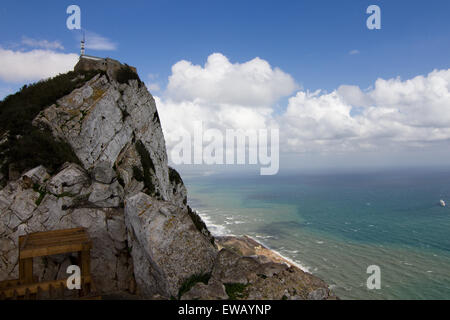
[
  {"x": 215, "y": 229},
  {"x": 289, "y": 260}
]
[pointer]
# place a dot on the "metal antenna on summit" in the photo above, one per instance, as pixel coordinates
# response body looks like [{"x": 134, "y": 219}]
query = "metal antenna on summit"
[{"x": 83, "y": 42}]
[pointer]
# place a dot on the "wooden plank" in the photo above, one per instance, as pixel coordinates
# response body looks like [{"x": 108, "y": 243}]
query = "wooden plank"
[
  {"x": 48, "y": 251},
  {"x": 92, "y": 298},
  {"x": 34, "y": 288},
  {"x": 22, "y": 241},
  {"x": 56, "y": 243},
  {"x": 55, "y": 233},
  {"x": 26, "y": 270},
  {"x": 81, "y": 235},
  {"x": 85, "y": 257},
  {"x": 14, "y": 283},
  {"x": 53, "y": 242},
  {"x": 9, "y": 283}
]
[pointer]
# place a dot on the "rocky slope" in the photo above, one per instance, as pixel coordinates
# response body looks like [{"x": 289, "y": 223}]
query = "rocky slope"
[{"x": 146, "y": 240}]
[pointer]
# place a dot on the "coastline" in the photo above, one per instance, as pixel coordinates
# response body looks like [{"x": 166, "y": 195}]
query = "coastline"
[
  {"x": 246, "y": 246},
  {"x": 224, "y": 232}
]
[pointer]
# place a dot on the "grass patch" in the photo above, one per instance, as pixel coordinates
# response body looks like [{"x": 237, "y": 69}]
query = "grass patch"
[
  {"x": 42, "y": 192},
  {"x": 235, "y": 291},
  {"x": 192, "y": 281}
]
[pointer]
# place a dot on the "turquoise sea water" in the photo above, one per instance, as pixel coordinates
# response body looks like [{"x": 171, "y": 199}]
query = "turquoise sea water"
[{"x": 336, "y": 225}]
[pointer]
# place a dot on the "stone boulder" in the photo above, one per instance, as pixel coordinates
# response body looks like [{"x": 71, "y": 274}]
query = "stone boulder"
[
  {"x": 166, "y": 246},
  {"x": 214, "y": 290}
]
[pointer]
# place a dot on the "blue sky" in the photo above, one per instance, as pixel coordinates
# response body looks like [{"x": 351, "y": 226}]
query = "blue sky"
[
  {"x": 309, "y": 39},
  {"x": 381, "y": 102}
]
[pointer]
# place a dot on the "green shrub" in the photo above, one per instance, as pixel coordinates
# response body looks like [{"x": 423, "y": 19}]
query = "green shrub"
[
  {"x": 235, "y": 291},
  {"x": 37, "y": 148},
  {"x": 18, "y": 110},
  {"x": 192, "y": 281}
]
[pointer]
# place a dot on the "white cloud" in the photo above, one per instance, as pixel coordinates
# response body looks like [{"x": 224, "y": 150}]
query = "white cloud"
[
  {"x": 353, "y": 52},
  {"x": 222, "y": 95},
  {"x": 95, "y": 41},
  {"x": 153, "y": 87},
  {"x": 20, "y": 66},
  {"x": 253, "y": 83},
  {"x": 394, "y": 114},
  {"x": 42, "y": 44}
]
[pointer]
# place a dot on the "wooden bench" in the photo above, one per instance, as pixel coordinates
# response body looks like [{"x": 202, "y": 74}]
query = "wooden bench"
[{"x": 46, "y": 244}]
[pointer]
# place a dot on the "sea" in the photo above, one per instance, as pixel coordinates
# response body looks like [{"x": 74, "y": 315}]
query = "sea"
[{"x": 336, "y": 225}]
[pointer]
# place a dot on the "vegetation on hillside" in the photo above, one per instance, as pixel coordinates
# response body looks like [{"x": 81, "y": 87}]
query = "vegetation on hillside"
[
  {"x": 148, "y": 169},
  {"x": 235, "y": 291},
  {"x": 174, "y": 177},
  {"x": 125, "y": 74},
  {"x": 192, "y": 281},
  {"x": 28, "y": 146},
  {"x": 200, "y": 224}
]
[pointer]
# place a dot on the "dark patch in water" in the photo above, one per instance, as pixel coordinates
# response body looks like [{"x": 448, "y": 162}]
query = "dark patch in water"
[{"x": 280, "y": 229}]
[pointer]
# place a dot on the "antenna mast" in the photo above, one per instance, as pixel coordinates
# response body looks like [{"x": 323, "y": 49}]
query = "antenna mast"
[{"x": 83, "y": 42}]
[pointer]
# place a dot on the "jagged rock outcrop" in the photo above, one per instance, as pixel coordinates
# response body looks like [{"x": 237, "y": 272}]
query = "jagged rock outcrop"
[
  {"x": 248, "y": 270},
  {"x": 165, "y": 235},
  {"x": 146, "y": 240}
]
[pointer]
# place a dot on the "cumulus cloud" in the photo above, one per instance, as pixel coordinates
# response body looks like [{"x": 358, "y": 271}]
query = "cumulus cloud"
[
  {"x": 95, "y": 41},
  {"x": 393, "y": 113},
  {"x": 42, "y": 44},
  {"x": 222, "y": 96},
  {"x": 22, "y": 66},
  {"x": 253, "y": 83}
]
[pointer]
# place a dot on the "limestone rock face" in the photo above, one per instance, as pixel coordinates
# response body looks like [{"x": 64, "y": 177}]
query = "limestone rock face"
[
  {"x": 144, "y": 241},
  {"x": 103, "y": 121},
  {"x": 53, "y": 204},
  {"x": 165, "y": 235}
]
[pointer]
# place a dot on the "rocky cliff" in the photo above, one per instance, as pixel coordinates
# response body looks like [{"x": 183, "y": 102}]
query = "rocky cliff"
[{"x": 110, "y": 175}]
